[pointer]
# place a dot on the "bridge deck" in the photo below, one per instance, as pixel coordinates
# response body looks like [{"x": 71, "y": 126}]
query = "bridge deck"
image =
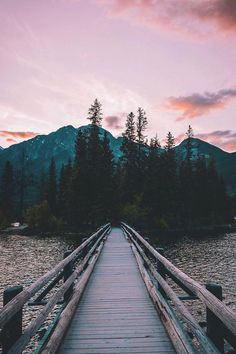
[{"x": 116, "y": 314}]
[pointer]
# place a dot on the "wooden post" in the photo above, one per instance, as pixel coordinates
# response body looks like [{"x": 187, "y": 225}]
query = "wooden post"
[
  {"x": 146, "y": 251},
  {"x": 85, "y": 249},
  {"x": 161, "y": 270},
  {"x": 13, "y": 328},
  {"x": 214, "y": 325},
  {"x": 68, "y": 270}
]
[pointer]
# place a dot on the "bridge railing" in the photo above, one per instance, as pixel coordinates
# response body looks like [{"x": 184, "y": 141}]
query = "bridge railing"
[
  {"x": 84, "y": 256},
  {"x": 220, "y": 319}
]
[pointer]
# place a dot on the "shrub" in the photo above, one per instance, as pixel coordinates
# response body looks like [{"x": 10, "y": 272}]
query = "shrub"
[{"x": 40, "y": 217}]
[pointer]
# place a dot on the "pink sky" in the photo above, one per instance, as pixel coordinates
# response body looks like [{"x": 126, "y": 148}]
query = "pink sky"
[{"x": 176, "y": 59}]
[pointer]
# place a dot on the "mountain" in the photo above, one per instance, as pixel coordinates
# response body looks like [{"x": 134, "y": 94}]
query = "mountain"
[{"x": 37, "y": 152}]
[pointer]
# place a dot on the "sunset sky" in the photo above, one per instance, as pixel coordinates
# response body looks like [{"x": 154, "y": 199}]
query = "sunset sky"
[{"x": 174, "y": 58}]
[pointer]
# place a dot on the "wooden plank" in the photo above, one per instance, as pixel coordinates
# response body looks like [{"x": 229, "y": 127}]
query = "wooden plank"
[{"x": 115, "y": 313}]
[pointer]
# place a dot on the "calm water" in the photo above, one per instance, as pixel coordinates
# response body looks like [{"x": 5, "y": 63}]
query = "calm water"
[{"x": 24, "y": 259}]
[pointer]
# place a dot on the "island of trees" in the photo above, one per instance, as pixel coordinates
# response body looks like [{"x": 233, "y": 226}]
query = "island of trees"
[{"x": 146, "y": 186}]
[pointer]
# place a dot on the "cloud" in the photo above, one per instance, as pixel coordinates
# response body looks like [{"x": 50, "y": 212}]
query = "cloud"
[
  {"x": 113, "y": 122},
  {"x": 11, "y": 135},
  {"x": 10, "y": 140},
  {"x": 196, "y": 105},
  {"x": 225, "y": 139},
  {"x": 181, "y": 15}
]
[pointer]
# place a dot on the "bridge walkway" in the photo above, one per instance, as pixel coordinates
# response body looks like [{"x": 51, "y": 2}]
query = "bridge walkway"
[{"x": 116, "y": 314}]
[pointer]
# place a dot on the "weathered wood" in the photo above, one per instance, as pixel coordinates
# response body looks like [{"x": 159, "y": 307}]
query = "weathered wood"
[
  {"x": 67, "y": 271},
  {"x": 214, "y": 325},
  {"x": 50, "y": 286},
  {"x": 35, "y": 324},
  {"x": 161, "y": 270},
  {"x": 178, "y": 337},
  {"x": 13, "y": 329},
  {"x": 205, "y": 344},
  {"x": 17, "y": 303},
  {"x": 224, "y": 313},
  {"x": 67, "y": 314},
  {"x": 115, "y": 313}
]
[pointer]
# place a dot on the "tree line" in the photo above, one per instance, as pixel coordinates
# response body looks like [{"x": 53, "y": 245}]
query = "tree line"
[{"x": 146, "y": 186}]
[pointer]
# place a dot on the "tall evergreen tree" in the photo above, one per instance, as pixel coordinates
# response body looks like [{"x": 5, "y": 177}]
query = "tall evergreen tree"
[
  {"x": 52, "y": 187},
  {"x": 129, "y": 133},
  {"x": 7, "y": 190},
  {"x": 152, "y": 185},
  {"x": 141, "y": 126},
  {"x": 129, "y": 161},
  {"x": 108, "y": 192},
  {"x": 202, "y": 195},
  {"x": 95, "y": 113},
  {"x": 81, "y": 150},
  {"x": 186, "y": 175},
  {"x": 170, "y": 182}
]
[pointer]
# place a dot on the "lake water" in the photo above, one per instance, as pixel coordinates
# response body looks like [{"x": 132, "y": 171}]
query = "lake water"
[{"x": 213, "y": 259}]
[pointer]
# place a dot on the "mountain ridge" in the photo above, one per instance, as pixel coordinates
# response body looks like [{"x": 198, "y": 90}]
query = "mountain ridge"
[{"x": 36, "y": 153}]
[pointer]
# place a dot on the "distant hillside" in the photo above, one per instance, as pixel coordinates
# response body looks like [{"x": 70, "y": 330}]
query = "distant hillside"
[{"x": 60, "y": 145}]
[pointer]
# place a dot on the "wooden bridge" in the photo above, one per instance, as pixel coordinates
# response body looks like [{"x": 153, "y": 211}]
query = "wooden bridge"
[{"x": 115, "y": 293}]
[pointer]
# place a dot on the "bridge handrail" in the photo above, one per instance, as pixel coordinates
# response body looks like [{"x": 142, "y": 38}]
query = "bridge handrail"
[
  {"x": 83, "y": 270},
  {"x": 11, "y": 308},
  {"x": 220, "y": 310},
  {"x": 206, "y": 346}
]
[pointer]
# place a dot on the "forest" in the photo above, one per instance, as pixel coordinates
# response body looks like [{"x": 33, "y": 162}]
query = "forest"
[{"x": 146, "y": 186}]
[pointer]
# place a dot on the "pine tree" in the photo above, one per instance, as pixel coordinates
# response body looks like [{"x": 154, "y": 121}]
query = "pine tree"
[
  {"x": 107, "y": 191},
  {"x": 170, "y": 183},
  {"x": 7, "y": 190},
  {"x": 129, "y": 161},
  {"x": 129, "y": 133},
  {"x": 186, "y": 175},
  {"x": 141, "y": 126},
  {"x": 190, "y": 135},
  {"x": 152, "y": 183},
  {"x": 81, "y": 150},
  {"x": 202, "y": 198},
  {"x": 95, "y": 113},
  {"x": 62, "y": 194},
  {"x": 170, "y": 142},
  {"x": 52, "y": 187}
]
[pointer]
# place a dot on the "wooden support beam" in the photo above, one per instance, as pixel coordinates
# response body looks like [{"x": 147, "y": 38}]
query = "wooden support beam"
[{"x": 214, "y": 325}]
